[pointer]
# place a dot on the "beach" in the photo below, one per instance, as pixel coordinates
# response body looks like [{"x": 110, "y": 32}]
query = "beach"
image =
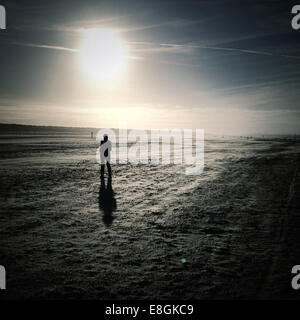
[{"x": 230, "y": 232}]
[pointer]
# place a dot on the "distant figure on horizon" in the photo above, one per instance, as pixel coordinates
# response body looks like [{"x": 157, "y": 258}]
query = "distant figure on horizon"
[
  {"x": 105, "y": 149},
  {"x": 92, "y": 135}
]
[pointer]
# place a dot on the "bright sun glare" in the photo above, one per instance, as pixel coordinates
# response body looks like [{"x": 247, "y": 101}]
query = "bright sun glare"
[{"x": 102, "y": 54}]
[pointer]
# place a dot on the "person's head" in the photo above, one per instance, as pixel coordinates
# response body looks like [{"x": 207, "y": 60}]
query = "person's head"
[{"x": 105, "y": 137}]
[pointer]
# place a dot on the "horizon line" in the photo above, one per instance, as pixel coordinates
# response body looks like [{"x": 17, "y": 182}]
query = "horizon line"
[{"x": 209, "y": 133}]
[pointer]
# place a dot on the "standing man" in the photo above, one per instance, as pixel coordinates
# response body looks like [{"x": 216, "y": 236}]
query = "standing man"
[{"x": 105, "y": 149}]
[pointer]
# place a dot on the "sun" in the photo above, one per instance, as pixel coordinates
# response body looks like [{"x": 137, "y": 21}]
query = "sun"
[{"x": 103, "y": 54}]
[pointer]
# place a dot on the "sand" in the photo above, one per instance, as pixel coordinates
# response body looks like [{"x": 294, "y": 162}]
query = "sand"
[{"x": 229, "y": 233}]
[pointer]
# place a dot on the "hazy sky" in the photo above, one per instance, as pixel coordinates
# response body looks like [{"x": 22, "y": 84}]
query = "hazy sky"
[{"x": 220, "y": 65}]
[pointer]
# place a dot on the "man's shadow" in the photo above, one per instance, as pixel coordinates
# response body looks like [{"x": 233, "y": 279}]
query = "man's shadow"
[{"x": 107, "y": 201}]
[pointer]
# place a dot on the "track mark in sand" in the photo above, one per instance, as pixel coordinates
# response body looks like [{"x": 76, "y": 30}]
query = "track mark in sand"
[
  {"x": 285, "y": 218},
  {"x": 282, "y": 232}
]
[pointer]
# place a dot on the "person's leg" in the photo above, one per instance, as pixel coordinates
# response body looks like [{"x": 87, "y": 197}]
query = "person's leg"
[
  {"x": 108, "y": 169},
  {"x": 102, "y": 170}
]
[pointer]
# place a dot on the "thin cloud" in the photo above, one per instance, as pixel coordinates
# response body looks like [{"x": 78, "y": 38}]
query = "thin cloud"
[
  {"x": 163, "y": 48},
  {"x": 33, "y": 45},
  {"x": 150, "y": 47},
  {"x": 184, "y": 48},
  {"x": 178, "y": 23},
  {"x": 237, "y": 50}
]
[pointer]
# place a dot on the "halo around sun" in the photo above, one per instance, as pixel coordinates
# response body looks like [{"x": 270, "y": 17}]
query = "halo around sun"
[{"x": 102, "y": 54}]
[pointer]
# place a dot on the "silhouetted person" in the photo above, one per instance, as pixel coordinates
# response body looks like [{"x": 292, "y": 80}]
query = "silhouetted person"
[
  {"x": 105, "y": 149},
  {"x": 107, "y": 201}
]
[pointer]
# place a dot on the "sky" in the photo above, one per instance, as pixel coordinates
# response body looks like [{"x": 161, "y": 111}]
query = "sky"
[{"x": 225, "y": 66}]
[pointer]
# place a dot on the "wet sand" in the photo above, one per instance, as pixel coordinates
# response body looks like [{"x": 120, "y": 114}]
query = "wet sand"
[{"x": 236, "y": 225}]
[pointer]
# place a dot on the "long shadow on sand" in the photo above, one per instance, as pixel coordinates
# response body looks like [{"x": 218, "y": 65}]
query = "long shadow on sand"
[{"x": 107, "y": 201}]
